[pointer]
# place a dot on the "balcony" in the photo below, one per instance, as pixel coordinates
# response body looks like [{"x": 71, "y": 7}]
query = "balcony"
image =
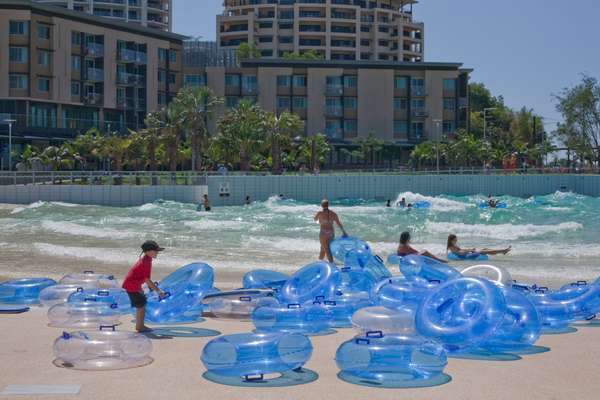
[
  {"x": 334, "y": 132},
  {"x": 419, "y": 113},
  {"x": 94, "y": 75},
  {"x": 336, "y": 112},
  {"x": 94, "y": 50},
  {"x": 93, "y": 99},
  {"x": 125, "y": 78},
  {"x": 418, "y": 91},
  {"x": 126, "y": 102},
  {"x": 132, "y": 56},
  {"x": 334, "y": 90},
  {"x": 249, "y": 90}
]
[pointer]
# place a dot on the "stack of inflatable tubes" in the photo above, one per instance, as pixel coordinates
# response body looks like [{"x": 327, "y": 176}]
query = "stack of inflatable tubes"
[
  {"x": 313, "y": 280},
  {"x": 350, "y": 250},
  {"x": 116, "y": 296},
  {"x": 83, "y": 315},
  {"x": 90, "y": 279},
  {"x": 498, "y": 275},
  {"x": 356, "y": 279},
  {"x": 294, "y": 317},
  {"x": 237, "y": 304},
  {"x": 23, "y": 291},
  {"x": 103, "y": 349},
  {"x": 60, "y": 293},
  {"x": 249, "y": 355},
  {"x": 424, "y": 267},
  {"x": 263, "y": 279}
]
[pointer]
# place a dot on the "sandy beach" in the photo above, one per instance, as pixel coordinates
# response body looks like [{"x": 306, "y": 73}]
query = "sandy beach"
[{"x": 568, "y": 371}]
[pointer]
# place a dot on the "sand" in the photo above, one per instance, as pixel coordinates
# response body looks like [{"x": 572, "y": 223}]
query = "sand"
[{"x": 569, "y": 370}]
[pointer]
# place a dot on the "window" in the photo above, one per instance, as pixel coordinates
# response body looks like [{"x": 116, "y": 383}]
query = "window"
[
  {"x": 265, "y": 25},
  {"x": 76, "y": 38},
  {"x": 350, "y": 81},
  {"x": 350, "y": 126},
  {"x": 333, "y": 128},
  {"x": 350, "y": 102},
  {"x": 232, "y": 80},
  {"x": 75, "y": 88},
  {"x": 365, "y": 42},
  {"x": 18, "y": 54},
  {"x": 400, "y": 82},
  {"x": 162, "y": 76},
  {"x": 400, "y": 103},
  {"x": 43, "y": 84},
  {"x": 162, "y": 54},
  {"x": 417, "y": 86},
  {"x": 400, "y": 128},
  {"x": 172, "y": 56},
  {"x": 18, "y": 81},
  {"x": 43, "y": 32},
  {"x": 171, "y": 78},
  {"x": 448, "y": 127},
  {"x": 249, "y": 83},
  {"x": 231, "y": 101},
  {"x": 266, "y": 53},
  {"x": 265, "y": 39},
  {"x": 334, "y": 81},
  {"x": 299, "y": 102},
  {"x": 286, "y": 25},
  {"x": 416, "y": 104},
  {"x": 286, "y": 39},
  {"x": 162, "y": 99},
  {"x": 365, "y": 28},
  {"x": 194, "y": 80},
  {"x": 283, "y": 102},
  {"x": 300, "y": 80},
  {"x": 417, "y": 130},
  {"x": 449, "y": 103},
  {"x": 43, "y": 58},
  {"x": 284, "y": 80},
  {"x": 19, "y": 27},
  {"x": 75, "y": 63},
  {"x": 449, "y": 84}
]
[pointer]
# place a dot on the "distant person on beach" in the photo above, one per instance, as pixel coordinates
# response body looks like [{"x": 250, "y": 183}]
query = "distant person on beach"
[
  {"x": 326, "y": 218},
  {"x": 139, "y": 274},
  {"x": 389, "y": 203},
  {"x": 405, "y": 249},
  {"x": 205, "y": 203},
  {"x": 247, "y": 200},
  {"x": 452, "y": 246}
]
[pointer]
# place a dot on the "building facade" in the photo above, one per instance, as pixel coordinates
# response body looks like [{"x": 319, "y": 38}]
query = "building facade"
[
  {"x": 152, "y": 13},
  {"x": 63, "y": 72},
  {"x": 366, "y": 30}
]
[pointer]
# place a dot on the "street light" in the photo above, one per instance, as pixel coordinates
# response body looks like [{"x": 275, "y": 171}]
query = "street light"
[
  {"x": 437, "y": 123},
  {"x": 10, "y": 122},
  {"x": 485, "y": 110}
]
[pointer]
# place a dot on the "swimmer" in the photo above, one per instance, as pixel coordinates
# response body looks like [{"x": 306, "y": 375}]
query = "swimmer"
[
  {"x": 326, "y": 219},
  {"x": 491, "y": 202},
  {"x": 247, "y": 200},
  {"x": 452, "y": 246},
  {"x": 389, "y": 203},
  {"x": 402, "y": 203},
  {"x": 205, "y": 203},
  {"x": 405, "y": 249}
]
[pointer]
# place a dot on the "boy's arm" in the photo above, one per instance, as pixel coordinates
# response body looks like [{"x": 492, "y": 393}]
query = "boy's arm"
[{"x": 153, "y": 287}]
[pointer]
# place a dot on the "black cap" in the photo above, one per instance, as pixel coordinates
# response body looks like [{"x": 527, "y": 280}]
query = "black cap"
[{"x": 151, "y": 245}]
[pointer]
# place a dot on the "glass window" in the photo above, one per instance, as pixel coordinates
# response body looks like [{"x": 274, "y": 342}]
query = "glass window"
[
  {"x": 449, "y": 103},
  {"x": 43, "y": 31},
  {"x": 265, "y": 39},
  {"x": 43, "y": 84},
  {"x": 284, "y": 80},
  {"x": 400, "y": 82},
  {"x": 44, "y": 58},
  {"x": 75, "y": 63},
  {"x": 283, "y": 102},
  {"x": 162, "y": 75},
  {"x": 350, "y": 102},
  {"x": 232, "y": 80},
  {"x": 350, "y": 125},
  {"x": 194, "y": 80},
  {"x": 417, "y": 130},
  {"x": 18, "y": 54},
  {"x": 18, "y": 81},
  {"x": 417, "y": 104},
  {"x": 172, "y": 56},
  {"x": 350, "y": 81},
  {"x": 75, "y": 88},
  {"x": 265, "y": 25},
  {"x": 400, "y": 103},
  {"x": 299, "y": 102},
  {"x": 76, "y": 38},
  {"x": 449, "y": 84},
  {"x": 418, "y": 86},
  {"x": 448, "y": 127},
  {"x": 249, "y": 83},
  {"x": 400, "y": 127},
  {"x": 286, "y": 39},
  {"x": 300, "y": 80},
  {"x": 333, "y": 128},
  {"x": 333, "y": 102},
  {"x": 334, "y": 81},
  {"x": 162, "y": 99},
  {"x": 231, "y": 101},
  {"x": 19, "y": 27},
  {"x": 171, "y": 78},
  {"x": 162, "y": 54}
]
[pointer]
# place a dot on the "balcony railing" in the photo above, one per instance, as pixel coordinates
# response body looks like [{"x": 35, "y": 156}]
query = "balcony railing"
[
  {"x": 419, "y": 112},
  {"x": 334, "y": 90},
  {"x": 132, "y": 56},
  {"x": 95, "y": 74},
  {"x": 125, "y": 78},
  {"x": 94, "y": 49},
  {"x": 334, "y": 111},
  {"x": 93, "y": 99}
]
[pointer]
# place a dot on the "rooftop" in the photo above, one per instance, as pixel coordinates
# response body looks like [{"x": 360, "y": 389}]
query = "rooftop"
[{"x": 441, "y": 66}]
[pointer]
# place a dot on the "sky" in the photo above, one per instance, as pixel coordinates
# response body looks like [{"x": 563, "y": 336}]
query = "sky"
[{"x": 525, "y": 50}]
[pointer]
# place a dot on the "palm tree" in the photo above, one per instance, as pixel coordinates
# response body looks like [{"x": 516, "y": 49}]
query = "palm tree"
[
  {"x": 197, "y": 106},
  {"x": 29, "y": 157},
  {"x": 280, "y": 130},
  {"x": 151, "y": 136},
  {"x": 170, "y": 132}
]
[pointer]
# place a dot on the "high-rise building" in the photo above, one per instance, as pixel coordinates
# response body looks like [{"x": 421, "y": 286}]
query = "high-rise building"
[
  {"x": 151, "y": 13},
  {"x": 366, "y": 30}
]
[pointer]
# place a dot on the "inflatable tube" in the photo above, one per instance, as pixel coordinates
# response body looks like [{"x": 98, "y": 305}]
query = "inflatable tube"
[
  {"x": 83, "y": 315},
  {"x": 105, "y": 349},
  {"x": 377, "y": 269},
  {"x": 90, "y": 279},
  {"x": 468, "y": 256},
  {"x": 113, "y": 296},
  {"x": 401, "y": 293},
  {"x": 498, "y": 275},
  {"x": 351, "y": 251},
  {"x": 422, "y": 205},
  {"x": 356, "y": 279},
  {"x": 197, "y": 276},
  {"x": 384, "y": 320},
  {"x": 316, "y": 279},
  {"x": 23, "y": 291},
  {"x": 252, "y": 355},
  {"x": 391, "y": 360},
  {"x": 264, "y": 279},
  {"x": 237, "y": 304},
  {"x": 461, "y": 313},
  {"x": 498, "y": 205},
  {"x": 183, "y": 306},
  {"x": 294, "y": 318},
  {"x": 343, "y": 306},
  {"x": 56, "y": 294},
  {"x": 427, "y": 268}
]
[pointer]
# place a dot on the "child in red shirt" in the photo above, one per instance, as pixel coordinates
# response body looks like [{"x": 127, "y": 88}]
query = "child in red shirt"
[{"x": 139, "y": 274}]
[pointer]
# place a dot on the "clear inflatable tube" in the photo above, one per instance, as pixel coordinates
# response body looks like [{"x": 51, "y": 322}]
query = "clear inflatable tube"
[
  {"x": 83, "y": 315},
  {"x": 401, "y": 293},
  {"x": 183, "y": 306},
  {"x": 252, "y": 355},
  {"x": 105, "y": 349},
  {"x": 461, "y": 313},
  {"x": 391, "y": 360},
  {"x": 498, "y": 275},
  {"x": 237, "y": 304},
  {"x": 356, "y": 278},
  {"x": 112, "y": 296},
  {"x": 264, "y": 279},
  {"x": 343, "y": 306},
  {"x": 293, "y": 318},
  {"x": 471, "y": 256},
  {"x": 196, "y": 275},
  {"x": 316, "y": 279},
  {"x": 23, "y": 291},
  {"x": 424, "y": 267},
  {"x": 350, "y": 250},
  {"x": 90, "y": 278},
  {"x": 384, "y": 320},
  {"x": 56, "y": 294}
]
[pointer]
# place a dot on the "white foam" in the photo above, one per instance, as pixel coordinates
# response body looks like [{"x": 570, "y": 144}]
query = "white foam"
[
  {"x": 437, "y": 203},
  {"x": 70, "y": 228},
  {"x": 210, "y": 224},
  {"x": 31, "y": 206},
  {"x": 284, "y": 244},
  {"x": 500, "y": 231}
]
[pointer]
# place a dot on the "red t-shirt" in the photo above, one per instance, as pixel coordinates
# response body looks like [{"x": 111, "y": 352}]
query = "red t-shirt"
[{"x": 138, "y": 274}]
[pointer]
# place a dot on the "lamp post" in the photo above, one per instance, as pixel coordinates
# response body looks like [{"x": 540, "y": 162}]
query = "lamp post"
[
  {"x": 437, "y": 123},
  {"x": 10, "y": 122}
]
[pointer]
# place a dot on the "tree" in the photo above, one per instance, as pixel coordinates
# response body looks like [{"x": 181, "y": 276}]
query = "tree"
[
  {"x": 580, "y": 108},
  {"x": 279, "y": 131},
  {"x": 60, "y": 157},
  {"x": 29, "y": 158},
  {"x": 151, "y": 137},
  {"x": 310, "y": 54},
  {"x": 114, "y": 147},
  {"x": 246, "y": 51},
  {"x": 197, "y": 105},
  {"x": 88, "y": 146},
  {"x": 311, "y": 150},
  {"x": 170, "y": 133}
]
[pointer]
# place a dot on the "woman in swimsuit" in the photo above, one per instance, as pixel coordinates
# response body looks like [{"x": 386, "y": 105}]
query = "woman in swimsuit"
[
  {"x": 452, "y": 246},
  {"x": 326, "y": 218},
  {"x": 405, "y": 249}
]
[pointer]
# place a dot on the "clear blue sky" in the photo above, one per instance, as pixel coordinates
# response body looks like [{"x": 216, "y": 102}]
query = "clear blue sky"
[{"x": 523, "y": 49}]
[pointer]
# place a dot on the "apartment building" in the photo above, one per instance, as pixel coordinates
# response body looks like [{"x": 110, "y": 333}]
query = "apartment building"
[
  {"x": 402, "y": 103},
  {"x": 65, "y": 72},
  {"x": 365, "y": 30},
  {"x": 151, "y": 13}
]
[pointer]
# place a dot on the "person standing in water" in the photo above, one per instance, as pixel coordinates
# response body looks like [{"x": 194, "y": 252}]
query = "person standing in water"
[
  {"x": 452, "y": 246},
  {"x": 326, "y": 218},
  {"x": 389, "y": 203},
  {"x": 405, "y": 249},
  {"x": 205, "y": 203},
  {"x": 248, "y": 200}
]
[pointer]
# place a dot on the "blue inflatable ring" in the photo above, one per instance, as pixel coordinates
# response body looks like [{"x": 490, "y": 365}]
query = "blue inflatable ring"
[
  {"x": 237, "y": 304},
  {"x": 427, "y": 268},
  {"x": 177, "y": 307},
  {"x": 348, "y": 249},
  {"x": 23, "y": 291},
  {"x": 264, "y": 279},
  {"x": 294, "y": 318},
  {"x": 196, "y": 275},
  {"x": 316, "y": 279},
  {"x": 468, "y": 256},
  {"x": 116, "y": 296}
]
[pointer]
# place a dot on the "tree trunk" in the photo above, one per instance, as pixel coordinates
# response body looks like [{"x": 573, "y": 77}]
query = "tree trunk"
[
  {"x": 152, "y": 156},
  {"x": 276, "y": 156},
  {"x": 194, "y": 151},
  {"x": 244, "y": 160}
]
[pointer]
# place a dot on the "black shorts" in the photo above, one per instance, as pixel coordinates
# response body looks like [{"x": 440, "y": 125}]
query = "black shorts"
[{"x": 137, "y": 299}]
